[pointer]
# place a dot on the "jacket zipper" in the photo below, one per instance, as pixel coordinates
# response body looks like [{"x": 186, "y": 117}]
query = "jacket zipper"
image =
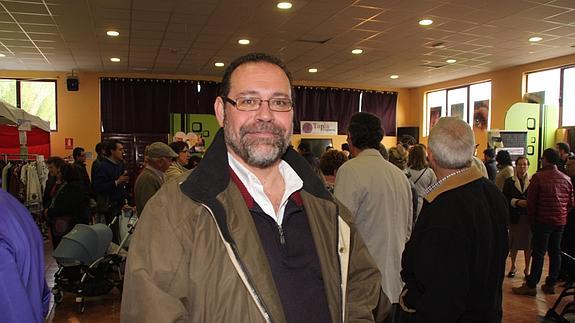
[
  {"x": 282, "y": 236},
  {"x": 259, "y": 303}
]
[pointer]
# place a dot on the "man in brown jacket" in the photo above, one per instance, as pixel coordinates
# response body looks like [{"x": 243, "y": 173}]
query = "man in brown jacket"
[{"x": 251, "y": 235}]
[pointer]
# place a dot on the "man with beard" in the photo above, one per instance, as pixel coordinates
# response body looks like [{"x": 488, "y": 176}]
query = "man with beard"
[{"x": 251, "y": 235}]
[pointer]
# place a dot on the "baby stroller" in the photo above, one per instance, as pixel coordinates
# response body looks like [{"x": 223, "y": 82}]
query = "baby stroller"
[
  {"x": 85, "y": 266},
  {"x": 553, "y": 314}
]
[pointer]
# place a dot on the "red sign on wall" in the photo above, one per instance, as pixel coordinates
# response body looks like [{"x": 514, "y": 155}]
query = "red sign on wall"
[{"x": 68, "y": 143}]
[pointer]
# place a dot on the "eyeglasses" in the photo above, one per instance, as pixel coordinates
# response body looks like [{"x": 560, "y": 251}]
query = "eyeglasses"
[{"x": 253, "y": 104}]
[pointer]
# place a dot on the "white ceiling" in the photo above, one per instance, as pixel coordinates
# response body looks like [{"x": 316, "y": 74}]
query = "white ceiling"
[{"x": 189, "y": 36}]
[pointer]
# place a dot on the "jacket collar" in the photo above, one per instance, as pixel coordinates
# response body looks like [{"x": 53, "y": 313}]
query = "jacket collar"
[
  {"x": 212, "y": 175},
  {"x": 518, "y": 184},
  {"x": 455, "y": 181}
]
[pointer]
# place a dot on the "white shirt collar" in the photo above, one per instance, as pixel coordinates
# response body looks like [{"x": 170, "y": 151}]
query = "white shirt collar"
[{"x": 293, "y": 183}]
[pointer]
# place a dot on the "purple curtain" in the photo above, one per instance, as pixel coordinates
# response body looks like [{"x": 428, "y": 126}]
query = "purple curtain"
[
  {"x": 325, "y": 104},
  {"x": 383, "y": 105},
  {"x": 144, "y": 105}
]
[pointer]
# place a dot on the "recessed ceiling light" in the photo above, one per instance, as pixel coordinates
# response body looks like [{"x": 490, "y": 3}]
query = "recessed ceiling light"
[
  {"x": 451, "y": 61},
  {"x": 394, "y": 76},
  {"x": 2, "y": 55},
  {"x": 312, "y": 70},
  {"x": 219, "y": 64},
  {"x": 357, "y": 51},
  {"x": 115, "y": 59},
  {"x": 113, "y": 33},
  {"x": 284, "y": 5},
  {"x": 425, "y": 22},
  {"x": 244, "y": 41},
  {"x": 535, "y": 39}
]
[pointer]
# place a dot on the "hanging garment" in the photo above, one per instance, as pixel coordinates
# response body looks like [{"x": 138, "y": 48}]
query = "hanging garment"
[
  {"x": 33, "y": 197},
  {"x": 5, "y": 171}
]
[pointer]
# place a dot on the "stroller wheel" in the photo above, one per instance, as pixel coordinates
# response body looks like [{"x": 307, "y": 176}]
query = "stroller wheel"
[
  {"x": 80, "y": 304},
  {"x": 58, "y": 295},
  {"x": 81, "y": 307}
]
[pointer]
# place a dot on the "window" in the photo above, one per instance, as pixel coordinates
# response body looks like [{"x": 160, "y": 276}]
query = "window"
[
  {"x": 35, "y": 97},
  {"x": 545, "y": 81},
  {"x": 558, "y": 86},
  {"x": 568, "y": 102},
  {"x": 471, "y": 103}
]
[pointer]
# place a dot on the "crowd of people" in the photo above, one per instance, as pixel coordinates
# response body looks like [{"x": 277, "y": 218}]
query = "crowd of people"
[{"x": 261, "y": 232}]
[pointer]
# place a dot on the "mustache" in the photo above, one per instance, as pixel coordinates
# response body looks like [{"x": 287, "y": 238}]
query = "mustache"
[{"x": 259, "y": 127}]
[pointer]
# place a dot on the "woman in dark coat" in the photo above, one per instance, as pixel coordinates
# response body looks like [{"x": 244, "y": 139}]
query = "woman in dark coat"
[
  {"x": 515, "y": 189},
  {"x": 69, "y": 205}
]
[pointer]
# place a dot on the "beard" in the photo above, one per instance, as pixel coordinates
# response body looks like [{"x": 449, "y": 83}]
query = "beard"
[{"x": 257, "y": 151}]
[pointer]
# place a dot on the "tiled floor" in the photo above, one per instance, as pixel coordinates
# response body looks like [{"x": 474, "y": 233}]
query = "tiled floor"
[{"x": 516, "y": 309}]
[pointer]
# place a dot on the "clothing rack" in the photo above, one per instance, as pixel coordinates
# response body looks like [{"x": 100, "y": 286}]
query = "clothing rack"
[{"x": 22, "y": 157}]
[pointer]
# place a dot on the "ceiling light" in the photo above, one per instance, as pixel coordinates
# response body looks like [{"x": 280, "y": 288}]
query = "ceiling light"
[
  {"x": 451, "y": 61},
  {"x": 113, "y": 33},
  {"x": 425, "y": 22},
  {"x": 284, "y": 5},
  {"x": 115, "y": 59},
  {"x": 2, "y": 55},
  {"x": 312, "y": 70},
  {"x": 219, "y": 64},
  {"x": 394, "y": 76},
  {"x": 357, "y": 51},
  {"x": 438, "y": 45},
  {"x": 244, "y": 41},
  {"x": 535, "y": 39}
]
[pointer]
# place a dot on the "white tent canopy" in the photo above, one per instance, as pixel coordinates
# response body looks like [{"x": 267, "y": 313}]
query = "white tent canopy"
[{"x": 11, "y": 115}]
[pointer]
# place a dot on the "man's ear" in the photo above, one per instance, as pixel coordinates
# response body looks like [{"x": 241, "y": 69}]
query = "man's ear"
[{"x": 219, "y": 110}]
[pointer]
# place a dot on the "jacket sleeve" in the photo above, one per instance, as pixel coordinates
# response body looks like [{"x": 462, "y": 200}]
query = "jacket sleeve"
[
  {"x": 102, "y": 183},
  {"x": 365, "y": 299},
  {"x": 532, "y": 198},
  {"x": 155, "y": 283},
  {"x": 347, "y": 189},
  {"x": 15, "y": 305},
  {"x": 431, "y": 264}
]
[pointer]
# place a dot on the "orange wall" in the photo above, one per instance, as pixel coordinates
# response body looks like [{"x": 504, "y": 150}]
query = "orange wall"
[{"x": 506, "y": 89}]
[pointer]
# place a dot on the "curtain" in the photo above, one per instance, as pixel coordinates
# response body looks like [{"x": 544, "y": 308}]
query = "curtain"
[
  {"x": 144, "y": 105},
  {"x": 383, "y": 105},
  {"x": 325, "y": 104}
]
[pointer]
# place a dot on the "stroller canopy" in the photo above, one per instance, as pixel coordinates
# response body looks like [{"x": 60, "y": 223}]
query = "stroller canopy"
[{"x": 84, "y": 244}]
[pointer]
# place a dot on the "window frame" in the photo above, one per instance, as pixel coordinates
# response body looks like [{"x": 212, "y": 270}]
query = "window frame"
[
  {"x": 561, "y": 87},
  {"x": 19, "y": 95},
  {"x": 448, "y": 109}
]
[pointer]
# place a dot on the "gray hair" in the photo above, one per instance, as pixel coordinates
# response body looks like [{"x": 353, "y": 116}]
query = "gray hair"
[{"x": 452, "y": 143}]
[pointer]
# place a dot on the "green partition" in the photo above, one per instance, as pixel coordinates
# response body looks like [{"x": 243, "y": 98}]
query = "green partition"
[{"x": 525, "y": 117}]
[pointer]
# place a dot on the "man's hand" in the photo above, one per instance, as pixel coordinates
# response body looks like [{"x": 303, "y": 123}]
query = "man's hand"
[
  {"x": 402, "y": 304},
  {"x": 124, "y": 178}
]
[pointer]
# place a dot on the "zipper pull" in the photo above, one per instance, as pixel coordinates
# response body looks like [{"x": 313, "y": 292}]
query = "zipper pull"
[{"x": 282, "y": 237}]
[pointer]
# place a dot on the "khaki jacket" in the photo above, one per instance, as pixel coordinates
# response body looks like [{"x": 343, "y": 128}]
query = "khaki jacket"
[{"x": 196, "y": 254}]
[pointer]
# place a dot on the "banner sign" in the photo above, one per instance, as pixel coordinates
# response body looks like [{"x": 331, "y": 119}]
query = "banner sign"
[{"x": 319, "y": 127}]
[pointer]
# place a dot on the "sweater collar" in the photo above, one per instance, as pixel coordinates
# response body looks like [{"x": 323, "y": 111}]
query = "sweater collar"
[{"x": 467, "y": 176}]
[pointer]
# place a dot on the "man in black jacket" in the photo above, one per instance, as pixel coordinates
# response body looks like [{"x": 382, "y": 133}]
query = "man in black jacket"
[
  {"x": 454, "y": 263},
  {"x": 109, "y": 183}
]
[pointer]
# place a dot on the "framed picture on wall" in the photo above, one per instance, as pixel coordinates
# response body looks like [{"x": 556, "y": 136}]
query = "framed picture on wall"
[
  {"x": 457, "y": 110},
  {"x": 434, "y": 115},
  {"x": 480, "y": 114},
  {"x": 206, "y": 133}
]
